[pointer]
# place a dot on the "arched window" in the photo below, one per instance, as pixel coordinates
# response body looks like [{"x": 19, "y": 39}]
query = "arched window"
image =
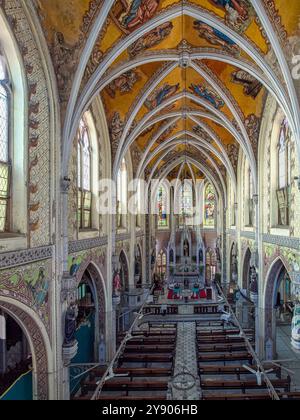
[
  {"x": 186, "y": 204},
  {"x": 4, "y": 149},
  {"x": 122, "y": 194},
  {"x": 162, "y": 263},
  {"x": 284, "y": 179},
  {"x": 209, "y": 206},
  {"x": 210, "y": 265},
  {"x": 84, "y": 177},
  {"x": 162, "y": 198}
]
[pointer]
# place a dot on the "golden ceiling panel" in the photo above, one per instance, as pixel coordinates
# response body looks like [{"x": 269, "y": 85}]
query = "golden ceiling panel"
[{"x": 63, "y": 16}]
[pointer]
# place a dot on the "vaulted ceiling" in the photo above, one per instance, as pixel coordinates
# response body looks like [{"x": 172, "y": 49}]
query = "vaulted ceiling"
[{"x": 182, "y": 82}]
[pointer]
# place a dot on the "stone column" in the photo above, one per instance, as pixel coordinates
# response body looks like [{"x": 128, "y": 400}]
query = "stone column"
[
  {"x": 2, "y": 343},
  {"x": 255, "y": 263},
  {"x": 69, "y": 350},
  {"x": 224, "y": 250},
  {"x": 296, "y": 298}
]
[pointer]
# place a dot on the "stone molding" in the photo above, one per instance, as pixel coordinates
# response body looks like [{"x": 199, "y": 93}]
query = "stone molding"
[
  {"x": 17, "y": 258},
  {"x": 78, "y": 246},
  {"x": 284, "y": 241}
]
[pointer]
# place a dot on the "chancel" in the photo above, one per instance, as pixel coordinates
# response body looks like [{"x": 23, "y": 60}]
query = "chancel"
[{"x": 149, "y": 200}]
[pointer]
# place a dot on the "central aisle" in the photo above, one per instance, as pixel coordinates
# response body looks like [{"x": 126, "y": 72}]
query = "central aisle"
[{"x": 185, "y": 384}]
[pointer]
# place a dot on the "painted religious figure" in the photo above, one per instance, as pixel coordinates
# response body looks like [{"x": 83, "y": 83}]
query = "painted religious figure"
[
  {"x": 132, "y": 14},
  {"x": 151, "y": 39},
  {"x": 238, "y": 15},
  {"x": 215, "y": 37},
  {"x": 160, "y": 95},
  {"x": 252, "y": 87},
  {"x": 70, "y": 325},
  {"x": 40, "y": 288},
  {"x": 208, "y": 94},
  {"x": 117, "y": 284},
  {"x": 210, "y": 205},
  {"x": 123, "y": 84}
]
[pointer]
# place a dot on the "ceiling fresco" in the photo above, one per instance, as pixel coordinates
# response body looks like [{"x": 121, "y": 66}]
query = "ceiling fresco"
[{"x": 175, "y": 84}]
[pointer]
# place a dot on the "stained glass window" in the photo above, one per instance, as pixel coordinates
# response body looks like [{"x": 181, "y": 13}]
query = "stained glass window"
[
  {"x": 84, "y": 177},
  {"x": 162, "y": 263},
  {"x": 162, "y": 207},
  {"x": 209, "y": 206},
  {"x": 4, "y": 149},
  {"x": 186, "y": 194}
]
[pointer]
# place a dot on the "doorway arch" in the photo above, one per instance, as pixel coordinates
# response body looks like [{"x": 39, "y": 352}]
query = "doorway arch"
[
  {"x": 38, "y": 342},
  {"x": 138, "y": 267},
  {"x": 233, "y": 264},
  {"x": 246, "y": 271},
  {"x": 124, "y": 271},
  {"x": 273, "y": 302}
]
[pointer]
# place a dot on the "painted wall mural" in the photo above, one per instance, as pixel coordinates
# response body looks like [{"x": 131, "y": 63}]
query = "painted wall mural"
[
  {"x": 160, "y": 95},
  {"x": 238, "y": 13},
  {"x": 130, "y": 15},
  {"x": 208, "y": 94},
  {"x": 252, "y": 87},
  {"x": 215, "y": 37},
  {"x": 30, "y": 285},
  {"x": 123, "y": 84},
  {"x": 209, "y": 206},
  {"x": 151, "y": 39},
  {"x": 289, "y": 257}
]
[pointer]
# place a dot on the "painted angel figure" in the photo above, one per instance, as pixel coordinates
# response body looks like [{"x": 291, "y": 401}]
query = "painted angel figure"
[
  {"x": 208, "y": 94},
  {"x": 151, "y": 39},
  {"x": 215, "y": 37},
  {"x": 160, "y": 95},
  {"x": 139, "y": 12}
]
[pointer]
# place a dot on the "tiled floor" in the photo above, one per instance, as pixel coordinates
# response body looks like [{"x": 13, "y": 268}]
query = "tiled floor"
[
  {"x": 286, "y": 352},
  {"x": 186, "y": 361}
]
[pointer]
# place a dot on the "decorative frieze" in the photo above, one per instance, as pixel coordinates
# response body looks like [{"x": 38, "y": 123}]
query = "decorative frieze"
[
  {"x": 123, "y": 237},
  {"x": 248, "y": 235},
  {"x": 78, "y": 246},
  {"x": 17, "y": 258},
  {"x": 283, "y": 241}
]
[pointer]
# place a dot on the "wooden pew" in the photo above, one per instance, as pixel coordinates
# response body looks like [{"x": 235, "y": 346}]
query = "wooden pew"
[
  {"x": 233, "y": 370},
  {"x": 230, "y": 347},
  {"x": 135, "y": 372},
  {"x": 284, "y": 384},
  {"x": 146, "y": 358},
  {"x": 148, "y": 349},
  {"x": 225, "y": 357}
]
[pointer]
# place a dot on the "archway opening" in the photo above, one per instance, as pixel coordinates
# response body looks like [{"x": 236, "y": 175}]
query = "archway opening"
[
  {"x": 210, "y": 270},
  {"x": 138, "y": 268},
  {"x": 279, "y": 312},
  {"x": 233, "y": 266},
  {"x": 161, "y": 265},
  {"x": 247, "y": 272},
  {"x": 85, "y": 321},
  {"x": 16, "y": 379},
  {"x": 122, "y": 312}
]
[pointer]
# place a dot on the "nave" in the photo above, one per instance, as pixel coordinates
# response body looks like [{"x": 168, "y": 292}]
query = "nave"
[
  {"x": 202, "y": 357},
  {"x": 149, "y": 158}
]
